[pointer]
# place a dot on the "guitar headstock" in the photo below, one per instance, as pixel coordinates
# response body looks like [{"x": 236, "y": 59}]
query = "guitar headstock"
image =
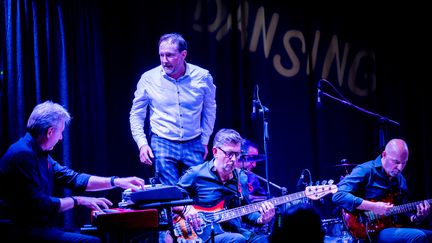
[{"x": 319, "y": 191}]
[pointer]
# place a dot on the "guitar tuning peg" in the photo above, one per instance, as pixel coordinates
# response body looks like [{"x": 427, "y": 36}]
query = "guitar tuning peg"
[
  {"x": 330, "y": 182},
  {"x": 317, "y": 183},
  {"x": 324, "y": 182}
]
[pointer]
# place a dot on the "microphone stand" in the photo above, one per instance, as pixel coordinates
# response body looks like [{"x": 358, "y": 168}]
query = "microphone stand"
[
  {"x": 283, "y": 189},
  {"x": 264, "y": 111},
  {"x": 383, "y": 121}
]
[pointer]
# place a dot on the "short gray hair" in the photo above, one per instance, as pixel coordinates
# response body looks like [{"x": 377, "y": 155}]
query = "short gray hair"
[
  {"x": 45, "y": 115},
  {"x": 226, "y": 136},
  {"x": 175, "y": 38}
]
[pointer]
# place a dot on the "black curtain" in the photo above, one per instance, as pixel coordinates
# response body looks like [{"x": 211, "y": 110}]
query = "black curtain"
[{"x": 51, "y": 51}]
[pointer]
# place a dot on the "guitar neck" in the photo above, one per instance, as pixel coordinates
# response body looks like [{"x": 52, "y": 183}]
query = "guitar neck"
[
  {"x": 404, "y": 208},
  {"x": 226, "y": 215}
]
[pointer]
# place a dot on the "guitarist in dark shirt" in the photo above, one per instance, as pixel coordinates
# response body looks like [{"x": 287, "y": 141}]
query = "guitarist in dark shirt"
[
  {"x": 373, "y": 200},
  {"x": 214, "y": 185}
]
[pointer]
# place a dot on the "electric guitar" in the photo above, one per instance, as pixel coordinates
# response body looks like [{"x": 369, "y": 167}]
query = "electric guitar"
[
  {"x": 365, "y": 224},
  {"x": 211, "y": 217}
]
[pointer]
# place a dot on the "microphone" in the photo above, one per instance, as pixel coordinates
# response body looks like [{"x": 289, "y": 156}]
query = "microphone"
[
  {"x": 300, "y": 182},
  {"x": 254, "y": 103},
  {"x": 318, "y": 103}
]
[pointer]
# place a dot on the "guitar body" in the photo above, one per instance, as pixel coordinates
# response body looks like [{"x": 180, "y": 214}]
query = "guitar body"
[
  {"x": 186, "y": 233},
  {"x": 366, "y": 224},
  {"x": 361, "y": 226},
  {"x": 211, "y": 217}
]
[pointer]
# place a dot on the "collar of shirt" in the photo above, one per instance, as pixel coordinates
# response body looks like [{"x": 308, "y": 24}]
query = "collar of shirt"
[
  {"x": 186, "y": 74},
  {"x": 36, "y": 147}
]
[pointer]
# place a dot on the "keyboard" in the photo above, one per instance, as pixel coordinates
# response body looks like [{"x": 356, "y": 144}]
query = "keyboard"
[{"x": 151, "y": 194}]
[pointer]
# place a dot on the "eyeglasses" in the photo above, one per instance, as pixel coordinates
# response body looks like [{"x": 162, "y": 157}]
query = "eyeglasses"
[{"x": 230, "y": 154}]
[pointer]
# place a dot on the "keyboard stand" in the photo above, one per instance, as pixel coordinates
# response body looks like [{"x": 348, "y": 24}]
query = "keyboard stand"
[{"x": 167, "y": 207}]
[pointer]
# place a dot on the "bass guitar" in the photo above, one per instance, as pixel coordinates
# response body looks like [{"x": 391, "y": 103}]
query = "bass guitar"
[
  {"x": 366, "y": 224},
  {"x": 211, "y": 217}
]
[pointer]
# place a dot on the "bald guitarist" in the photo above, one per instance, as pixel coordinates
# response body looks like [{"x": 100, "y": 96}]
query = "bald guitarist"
[
  {"x": 214, "y": 185},
  {"x": 373, "y": 200}
]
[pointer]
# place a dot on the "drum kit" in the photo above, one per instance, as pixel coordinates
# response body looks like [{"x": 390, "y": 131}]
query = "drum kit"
[
  {"x": 335, "y": 231},
  {"x": 334, "y": 228},
  {"x": 345, "y": 165}
]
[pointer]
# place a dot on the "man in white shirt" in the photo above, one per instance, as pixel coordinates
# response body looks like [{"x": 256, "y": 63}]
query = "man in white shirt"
[{"x": 181, "y": 101}]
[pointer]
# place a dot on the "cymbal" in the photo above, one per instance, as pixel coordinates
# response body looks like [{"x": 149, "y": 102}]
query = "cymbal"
[
  {"x": 252, "y": 158},
  {"x": 346, "y": 164}
]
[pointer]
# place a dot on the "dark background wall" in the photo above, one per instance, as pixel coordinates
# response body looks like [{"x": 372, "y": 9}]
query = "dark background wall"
[{"x": 375, "y": 58}]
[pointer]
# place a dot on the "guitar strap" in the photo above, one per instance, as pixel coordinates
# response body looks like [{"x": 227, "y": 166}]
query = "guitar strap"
[
  {"x": 240, "y": 195},
  {"x": 234, "y": 194},
  {"x": 243, "y": 186}
]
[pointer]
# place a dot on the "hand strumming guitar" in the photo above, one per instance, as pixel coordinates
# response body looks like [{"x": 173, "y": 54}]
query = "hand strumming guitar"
[
  {"x": 191, "y": 215},
  {"x": 380, "y": 208}
]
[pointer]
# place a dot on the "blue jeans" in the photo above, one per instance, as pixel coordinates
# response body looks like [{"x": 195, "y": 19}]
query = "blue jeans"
[
  {"x": 173, "y": 158},
  {"x": 404, "y": 235},
  {"x": 229, "y": 237}
]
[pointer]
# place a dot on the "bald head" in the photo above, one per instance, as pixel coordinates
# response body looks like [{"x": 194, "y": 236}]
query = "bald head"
[
  {"x": 397, "y": 148},
  {"x": 395, "y": 156}
]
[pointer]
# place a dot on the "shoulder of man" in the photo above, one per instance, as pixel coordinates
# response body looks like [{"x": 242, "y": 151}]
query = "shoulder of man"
[
  {"x": 197, "y": 70},
  {"x": 153, "y": 71}
]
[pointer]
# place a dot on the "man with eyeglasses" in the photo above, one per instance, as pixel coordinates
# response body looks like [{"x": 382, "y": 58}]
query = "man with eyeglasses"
[
  {"x": 214, "y": 186},
  {"x": 373, "y": 198}
]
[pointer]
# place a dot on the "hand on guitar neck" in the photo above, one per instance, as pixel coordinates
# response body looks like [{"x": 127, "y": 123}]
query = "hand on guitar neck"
[
  {"x": 423, "y": 210},
  {"x": 267, "y": 211}
]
